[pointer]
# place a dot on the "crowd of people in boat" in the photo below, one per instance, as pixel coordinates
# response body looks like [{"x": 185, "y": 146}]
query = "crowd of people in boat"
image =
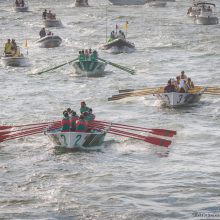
[
  {"x": 88, "y": 55},
  {"x": 44, "y": 33},
  {"x": 181, "y": 84},
  {"x": 11, "y": 49},
  {"x": 197, "y": 8},
  {"x": 19, "y": 3},
  {"x": 48, "y": 15},
  {"x": 73, "y": 122},
  {"x": 115, "y": 35}
]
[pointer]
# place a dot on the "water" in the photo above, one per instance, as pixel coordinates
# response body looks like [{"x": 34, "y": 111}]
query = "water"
[{"x": 127, "y": 179}]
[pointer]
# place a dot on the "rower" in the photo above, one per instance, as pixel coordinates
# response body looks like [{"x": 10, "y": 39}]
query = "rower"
[
  {"x": 73, "y": 118},
  {"x": 169, "y": 87},
  {"x": 65, "y": 122},
  {"x": 81, "y": 124},
  {"x": 190, "y": 84},
  {"x": 14, "y": 46},
  {"x": 182, "y": 86},
  {"x": 8, "y": 48},
  {"x": 91, "y": 116},
  {"x": 44, "y": 14},
  {"x": 83, "y": 107},
  {"x": 183, "y": 75}
]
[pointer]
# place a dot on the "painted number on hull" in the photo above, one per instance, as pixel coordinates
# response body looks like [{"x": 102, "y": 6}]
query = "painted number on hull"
[
  {"x": 180, "y": 99},
  {"x": 64, "y": 139},
  {"x": 78, "y": 137}
]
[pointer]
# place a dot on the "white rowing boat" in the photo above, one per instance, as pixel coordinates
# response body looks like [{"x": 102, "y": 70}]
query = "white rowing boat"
[
  {"x": 74, "y": 140},
  {"x": 20, "y": 61},
  {"x": 21, "y": 9},
  {"x": 49, "y": 41},
  {"x": 89, "y": 68},
  {"x": 128, "y": 2},
  {"x": 175, "y": 99},
  {"x": 52, "y": 22},
  {"x": 119, "y": 46}
]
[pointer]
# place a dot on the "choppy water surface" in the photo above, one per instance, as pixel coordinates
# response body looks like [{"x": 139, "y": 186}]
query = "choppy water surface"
[{"x": 127, "y": 179}]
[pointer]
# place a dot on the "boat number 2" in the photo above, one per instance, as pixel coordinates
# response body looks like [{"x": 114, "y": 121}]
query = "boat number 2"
[
  {"x": 64, "y": 139},
  {"x": 180, "y": 98},
  {"x": 78, "y": 137}
]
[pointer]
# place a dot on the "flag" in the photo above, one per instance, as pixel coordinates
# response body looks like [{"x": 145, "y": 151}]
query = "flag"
[
  {"x": 26, "y": 44},
  {"x": 126, "y": 26}
]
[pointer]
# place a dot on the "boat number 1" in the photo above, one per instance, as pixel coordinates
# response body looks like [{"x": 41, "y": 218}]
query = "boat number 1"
[{"x": 78, "y": 137}]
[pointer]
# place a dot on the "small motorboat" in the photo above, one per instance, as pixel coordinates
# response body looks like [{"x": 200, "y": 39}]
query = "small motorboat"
[
  {"x": 77, "y": 140},
  {"x": 157, "y": 3},
  {"x": 14, "y": 61},
  {"x": 128, "y": 2},
  {"x": 49, "y": 41},
  {"x": 206, "y": 15},
  {"x": 176, "y": 99},
  {"x": 52, "y": 22},
  {"x": 119, "y": 45},
  {"x": 81, "y": 3},
  {"x": 21, "y": 9},
  {"x": 89, "y": 68}
]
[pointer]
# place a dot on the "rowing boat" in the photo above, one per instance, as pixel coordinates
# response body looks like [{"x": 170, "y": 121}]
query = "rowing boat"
[
  {"x": 81, "y": 3},
  {"x": 119, "y": 46},
  {"x": 21, "y": 9},
  {"x": 20, "y": 61},
  {"x": 175, "y": 99},
  {"x": 89, "y": 68},
  {"x": 73, "y": 140},
  {"x": 128, "y": 2},
  {"x": 52, "y": 22},
  {"x": 49, "y": 41}
]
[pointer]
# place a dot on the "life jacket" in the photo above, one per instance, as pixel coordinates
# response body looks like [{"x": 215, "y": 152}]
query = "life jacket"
[
  {"x": 65, "y": 124},
  {"x": 82, "y": 57},
  {"x": 73, "y": 120},
  {"x": 81, "y": 126},
  {"x": 8, "y": 48},
  {"x": 90, "y": 118}
]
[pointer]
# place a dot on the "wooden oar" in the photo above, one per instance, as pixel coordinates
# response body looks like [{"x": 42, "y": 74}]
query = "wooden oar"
[
  {"x": 138, "y": 90},
  {"x": 156, "y": 131},
  {"x": 126, "y": 69},
  {"x": 152, "y": 140},
  {"x": 56, "y": 67}
]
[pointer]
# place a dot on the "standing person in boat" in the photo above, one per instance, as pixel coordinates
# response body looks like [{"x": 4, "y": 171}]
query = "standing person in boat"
[
  {"x": 49, "y": 15},
  {"x": 14, "y": 47},
  {"x": 65, "y": 122},
  {"x": 42, "y": 32},
  {"x": 8, "y": 48},
  {"x": 81, "y": 124},
  {"x": 183, "y": 75},
  {"x": 44, "y": 14},
  {"x": 73, "y": 118},
  {"x": 83, "y": 107}
]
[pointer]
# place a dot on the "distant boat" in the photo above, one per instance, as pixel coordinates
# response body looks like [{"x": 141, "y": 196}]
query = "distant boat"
[
  {"x": 52, "y": 22},
  {"x": 81, "y": 3},
  {"x": 21, "y": 8},
  {"x": 49, "y": 41},
  {"x": 157, "y": 3},
  {"x": 128, "y": 2},
  {"x": 14, "y": 61},
  {"x": 206, "y": 15}
]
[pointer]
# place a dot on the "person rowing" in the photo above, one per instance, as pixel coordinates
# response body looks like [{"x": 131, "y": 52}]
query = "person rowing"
[
  {"x": 170, "y": 87},
  {"x": 44, "y": 14},
  {"x": 81, "y": 124},
  {"x": 183, "y": 75},
  {"x": 190, "y": 84},
  {"x": 8, "y": 48},
  {"x": 65, "y": 122},
  {"x": 73, "y": 119},
  {"x": 42, "y": 33}
]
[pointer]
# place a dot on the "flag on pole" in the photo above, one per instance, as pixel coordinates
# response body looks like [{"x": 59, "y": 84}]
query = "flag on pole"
[
  {"x": 126, "y": 26},
  {"x": 26, "y": 45}
]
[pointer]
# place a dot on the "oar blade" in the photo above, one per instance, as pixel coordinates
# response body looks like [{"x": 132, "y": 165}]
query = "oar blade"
[
  {"x": 4, "y": 127},
  {"x": 158, "y": 141}
]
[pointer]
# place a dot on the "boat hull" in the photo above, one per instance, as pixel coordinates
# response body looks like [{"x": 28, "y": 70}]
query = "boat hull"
[
  {"x": 89, "y": 68},
  {"x": 21, "y": 9},
  {"x": 128, "y": 2},
  {"x": 52, "y": 23},
  {"x": 49, "y": 41},
  {"x": 119, "y": 46},
  {"x": 14, "y": 61},
  {"x": 206, "y": 20},
  {"x": 81, "y": 3},
  {"x": 175, "y": 99},
  {"x": 73, "y": 140},
  {"x": 157, "y": 3}
]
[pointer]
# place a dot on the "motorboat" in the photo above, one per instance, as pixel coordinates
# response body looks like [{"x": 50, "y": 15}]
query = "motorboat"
[
  {"x": 14, "y": 61},
  {"x": 49, "y": 41},
  {"x": 207, "y": 15}
]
